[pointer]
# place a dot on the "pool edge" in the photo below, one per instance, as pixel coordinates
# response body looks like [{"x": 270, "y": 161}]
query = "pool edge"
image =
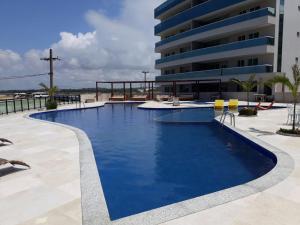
[{"x": 94, "y": 209}]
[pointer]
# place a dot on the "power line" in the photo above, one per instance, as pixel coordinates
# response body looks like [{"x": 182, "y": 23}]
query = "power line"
[{"x": 23, "y": 76}]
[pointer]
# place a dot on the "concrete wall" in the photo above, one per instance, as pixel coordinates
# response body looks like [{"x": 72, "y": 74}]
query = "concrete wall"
[
  {"x": 242, "y": 96},
  {"x": 291, "y": 43},
  {"x": 284, "y": 97}
]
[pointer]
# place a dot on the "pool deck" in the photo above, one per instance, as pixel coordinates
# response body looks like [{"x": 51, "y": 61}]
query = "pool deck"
[
  {"x": 277, "y": 205},
  {"x": 49, "y": 193}
]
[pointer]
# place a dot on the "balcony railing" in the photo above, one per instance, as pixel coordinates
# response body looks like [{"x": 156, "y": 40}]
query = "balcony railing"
[
  {"x": 194, "y": 12},
  {"x": 219, "y": 48},
  {"x": 166, "y": 6},
  {"x": 217, "y": 72},
  {"x": 220, "y": 24}
]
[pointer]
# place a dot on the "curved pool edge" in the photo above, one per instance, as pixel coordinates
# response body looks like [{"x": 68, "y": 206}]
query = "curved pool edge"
[
  {"x": 94, "y": 208},
  {"x": 93, "y": 204}
]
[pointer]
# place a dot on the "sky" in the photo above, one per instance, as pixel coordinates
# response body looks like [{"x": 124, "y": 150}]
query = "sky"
[{"x": 96, "y": 40}]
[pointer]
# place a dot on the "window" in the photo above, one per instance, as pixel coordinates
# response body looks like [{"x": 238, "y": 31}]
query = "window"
[
  {"x": 253, "y": 62},
  {"x": 243, "y": 12},
  {"x": 297, "y": 59},
  {"x": 254, "y": 35},
  {"x": 298, "y": 34},
  {"x": 241, "y": 63},
  {"x": 254, "y": 9},
  {"x": 242, "y": 38}
]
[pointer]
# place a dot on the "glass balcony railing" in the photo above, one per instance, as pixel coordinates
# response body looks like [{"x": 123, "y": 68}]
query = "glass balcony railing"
[
  {"x": 220, "y": 24},
  {"x": 219, "y": 48},
  {"x": 166, "y": 6},
  {"x": 217, "y": 72},
  {"x": 194, "y": 12}
]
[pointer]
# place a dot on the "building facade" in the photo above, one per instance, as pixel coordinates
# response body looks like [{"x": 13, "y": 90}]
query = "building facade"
[{"x": 225, "y": 39}]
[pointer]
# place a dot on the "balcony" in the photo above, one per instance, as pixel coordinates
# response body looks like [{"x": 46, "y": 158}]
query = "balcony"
[
  {"x": 217, "y": 73},
  {"x": 220, "y": 24},
  {"x": 167, "y": 5},
  {"x": 195, "y": 12},
  {"x": 196, "y": 54}
]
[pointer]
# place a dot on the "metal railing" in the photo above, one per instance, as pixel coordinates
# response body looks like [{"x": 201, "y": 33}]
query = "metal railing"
[
  {"x": 217, "y": 72},
  {"x": 195, "y": 12},
  {"x": 231, "y": 115},
  {"x": 24, "y": 104},
  {"x": 166, "y": 6},
  {"x": 219, "y": 24},
  {"x": 237, "y": 45}
]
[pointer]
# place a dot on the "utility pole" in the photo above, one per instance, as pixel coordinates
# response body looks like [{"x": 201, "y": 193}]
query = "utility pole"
[
  {"x": 51, "y": 73},
  {"x": 145, "y": 79}
]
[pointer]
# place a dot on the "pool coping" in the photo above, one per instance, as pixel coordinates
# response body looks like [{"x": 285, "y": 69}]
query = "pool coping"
[{"x": 94, "y": 208}]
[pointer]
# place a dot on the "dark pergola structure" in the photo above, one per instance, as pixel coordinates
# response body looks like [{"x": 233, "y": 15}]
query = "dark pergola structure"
[{"x": 150, "y": 85}]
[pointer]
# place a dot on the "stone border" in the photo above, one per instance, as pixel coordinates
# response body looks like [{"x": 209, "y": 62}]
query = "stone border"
[{"x": 94, "y": 208}]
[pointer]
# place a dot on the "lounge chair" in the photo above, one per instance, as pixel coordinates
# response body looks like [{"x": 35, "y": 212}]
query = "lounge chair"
[
  {"x": 117, "y": 98},
  {"x": 139, "y": 98},
  {"x": 90, "y": 100},
  {"x": 13, "y": 163},
  {"x": 186, "y": 97},
  {"x": 4, "y": 141},
  {"x": 161, "y": 98},
  {"x": 219, "y": 104},
  {"x": 233, "y": 104}
]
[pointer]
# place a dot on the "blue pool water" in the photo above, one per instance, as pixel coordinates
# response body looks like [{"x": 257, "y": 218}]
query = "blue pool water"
[{"x": 145, "y": 163}]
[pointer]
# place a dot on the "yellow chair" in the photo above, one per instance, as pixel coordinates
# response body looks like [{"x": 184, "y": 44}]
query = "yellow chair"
[
  {"x": 233, "y": 104},
  {"x": 219, "y": 104}
]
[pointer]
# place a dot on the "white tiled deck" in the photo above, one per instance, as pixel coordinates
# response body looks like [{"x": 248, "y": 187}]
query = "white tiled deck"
[
  {"x": 49, "y": 193},
  {"x": 279, "y": 205}
]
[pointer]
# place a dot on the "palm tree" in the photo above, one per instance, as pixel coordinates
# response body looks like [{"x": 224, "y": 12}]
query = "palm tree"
[
  {"x": 293, "y": 86},
  {"x": 51, "y": 91},
  {"x": 247, "y": 86}
]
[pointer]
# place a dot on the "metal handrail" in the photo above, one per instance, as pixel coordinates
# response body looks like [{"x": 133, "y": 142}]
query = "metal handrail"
[
  {"x": 232, "y": 118},
  {"x": 31, "y": 103}
]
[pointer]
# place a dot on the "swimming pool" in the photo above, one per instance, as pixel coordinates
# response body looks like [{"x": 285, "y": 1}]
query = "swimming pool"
[{"x": 145, "y": 163}]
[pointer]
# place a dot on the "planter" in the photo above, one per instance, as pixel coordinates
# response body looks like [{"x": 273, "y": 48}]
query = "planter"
[
  {"x": 248, "y": 112},
  {"x": 287, "y": 134},
  {"x": 50, "y": 105}
]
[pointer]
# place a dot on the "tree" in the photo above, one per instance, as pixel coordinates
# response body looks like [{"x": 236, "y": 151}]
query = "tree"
[
  {"x": 51, "y": 91},
  {"x": 247, "y": 86},
  {"x": 293, "y": 86}
]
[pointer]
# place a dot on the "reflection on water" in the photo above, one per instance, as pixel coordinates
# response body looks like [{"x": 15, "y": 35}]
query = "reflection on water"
[{"x": 145, "y": 163}]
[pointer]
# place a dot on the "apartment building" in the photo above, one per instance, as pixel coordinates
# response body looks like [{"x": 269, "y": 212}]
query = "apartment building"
[{"x": 225, "y": 39}]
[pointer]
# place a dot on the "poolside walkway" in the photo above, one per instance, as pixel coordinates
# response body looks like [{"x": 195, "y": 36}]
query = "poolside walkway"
[
  {"x": 279, "y": 205},
  {"x": 49, "y": 193}
]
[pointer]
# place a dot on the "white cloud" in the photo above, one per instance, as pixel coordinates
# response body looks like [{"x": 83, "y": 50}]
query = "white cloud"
[{"x": 118, "y": 48}]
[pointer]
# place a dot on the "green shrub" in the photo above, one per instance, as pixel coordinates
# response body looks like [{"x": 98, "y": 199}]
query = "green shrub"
[
  {"x": 50, "y": 105},
  {"x": 248, "y": 112}
]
